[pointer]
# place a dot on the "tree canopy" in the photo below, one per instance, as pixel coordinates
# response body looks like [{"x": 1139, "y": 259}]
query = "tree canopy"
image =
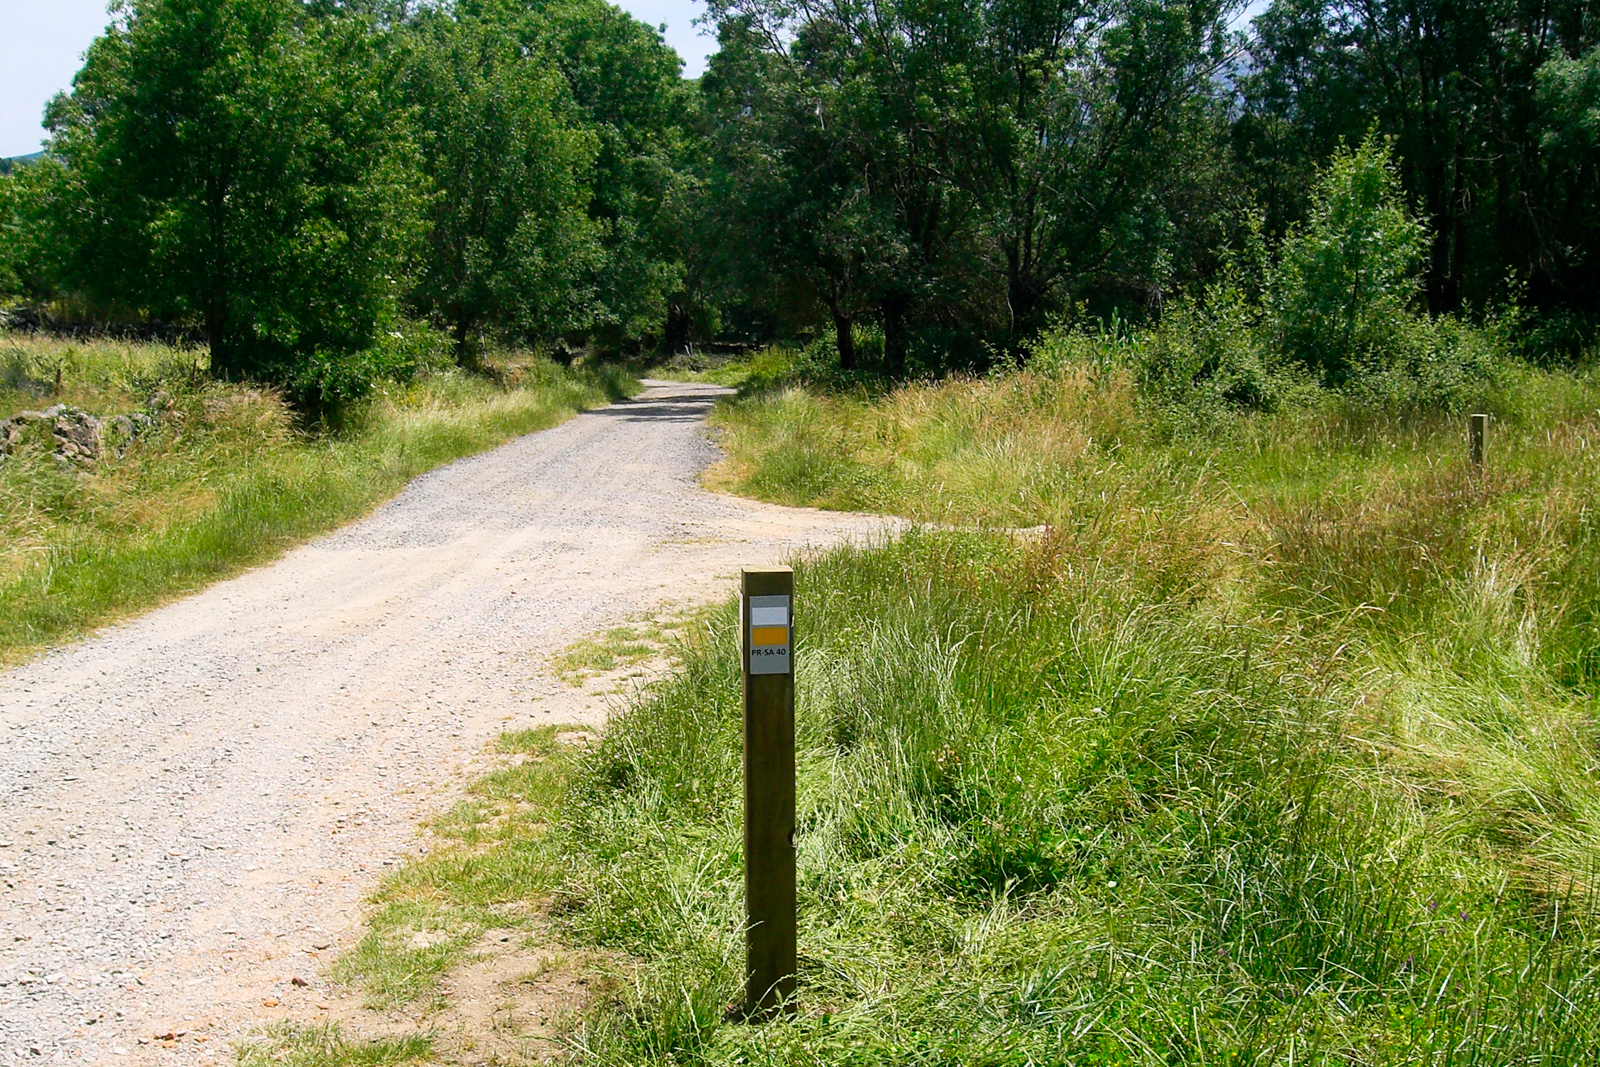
[
  {"x": 927, "y": 183},
  {"x": 238, "y": 163}
]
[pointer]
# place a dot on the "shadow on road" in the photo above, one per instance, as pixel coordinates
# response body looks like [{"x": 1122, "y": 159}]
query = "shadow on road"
[{"x": 659, "y": 409}]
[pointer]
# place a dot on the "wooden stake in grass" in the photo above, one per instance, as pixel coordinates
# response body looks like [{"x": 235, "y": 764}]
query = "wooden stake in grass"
[
  {"x": 767, "y": 625},
  {"x": 1478, "y": 434}
]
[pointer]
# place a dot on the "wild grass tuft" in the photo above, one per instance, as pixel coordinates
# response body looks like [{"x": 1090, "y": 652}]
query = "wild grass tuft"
[
  {"x": 295, "y": 1045},
  {"x": 618, "y": 647}
]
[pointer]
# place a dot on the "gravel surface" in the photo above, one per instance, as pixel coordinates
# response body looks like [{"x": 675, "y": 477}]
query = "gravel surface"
[{"x": 194, "y": 804}]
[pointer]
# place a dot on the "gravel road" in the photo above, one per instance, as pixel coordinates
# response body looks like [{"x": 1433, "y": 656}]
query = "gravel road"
[{"x": 194, "y": 804}]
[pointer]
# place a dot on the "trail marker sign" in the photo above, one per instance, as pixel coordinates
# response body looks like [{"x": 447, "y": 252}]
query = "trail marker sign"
[
  {"x": 770, "y": 630},
  {"x": 1477, "y": 438},
  {"x": 766, "y": 624}
]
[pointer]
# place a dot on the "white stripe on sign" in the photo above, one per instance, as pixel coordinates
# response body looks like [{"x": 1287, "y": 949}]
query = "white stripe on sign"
[{"x": 769, "y": 616}]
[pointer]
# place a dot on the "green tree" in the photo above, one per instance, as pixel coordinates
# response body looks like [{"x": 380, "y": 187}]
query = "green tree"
[
  {"x": 239, "y": 163},
  {"x": 790, "y": 210},
  {"x": 1095, "y": 154},
  {"x": 976, "y": 166},
  {"x": 1455, "y": 84},
  {"x": 30, "y": 256},
  {"x": 627, "y": 83},
  {"x": 510, "y": 242},
  {"x": 1345, "y": 284},
  {"x": 1568, "y": 210},
  {"x": 9, "y": 237}
]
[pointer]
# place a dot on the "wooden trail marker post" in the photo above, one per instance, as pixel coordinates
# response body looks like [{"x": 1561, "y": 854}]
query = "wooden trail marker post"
[
  {"x": 1477, "y": 435},
  {"x": 767, "y": 629}
]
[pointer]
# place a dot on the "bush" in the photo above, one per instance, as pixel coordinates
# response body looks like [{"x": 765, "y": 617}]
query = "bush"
[
  {"x": 1341, "y": 297},
  {"x": 1211, "y": 357},
  {"x": 1336, "y": 315},
  {"x": 324, "y": 382}
]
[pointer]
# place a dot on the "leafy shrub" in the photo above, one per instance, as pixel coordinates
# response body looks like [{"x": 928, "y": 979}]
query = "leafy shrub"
[
  {"x": 1442, "y": 363},
  {"x": 326, "y": 381},
  {"x": 1342, "y": 293},
  {"x": 1335, "y": 315},
  {"x": 1206, "y": 358},
  {"x": 1210, "y": 357},
  {"x": 1342, "y": 299}
]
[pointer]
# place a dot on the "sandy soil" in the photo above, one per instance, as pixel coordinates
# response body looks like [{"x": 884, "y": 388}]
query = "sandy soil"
[{"x": 194, "y": 804}]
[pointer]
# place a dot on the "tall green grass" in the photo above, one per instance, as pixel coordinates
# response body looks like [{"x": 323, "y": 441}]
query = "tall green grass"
[
  {"x": 1274, "y": 745},
  {"x": 227, "y": 478}
]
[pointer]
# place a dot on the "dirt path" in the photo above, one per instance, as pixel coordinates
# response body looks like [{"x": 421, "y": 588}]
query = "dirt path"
[{"x": 193, "y": 804}]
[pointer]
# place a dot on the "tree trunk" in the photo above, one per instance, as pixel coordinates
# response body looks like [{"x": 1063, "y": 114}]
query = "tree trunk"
[
  {"x": 466, "y": 358},
  {"x": 1023, "y": 300},
  {"x": 675, "y": 334},
  {"x": 844, "y": 330},
  {"x": 225, "y": 360},
  {"x": 894, "y": 336}
]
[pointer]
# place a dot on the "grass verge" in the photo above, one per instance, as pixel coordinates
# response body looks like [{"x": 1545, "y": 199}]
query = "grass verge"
[
  {"x": 489, "y": 866},
  {"x": 222, "y": 478},
  {"x": 1272, "y": 745},
  {"x": 291, "y": 1045},
  {"x": 1048, "y": 818}
]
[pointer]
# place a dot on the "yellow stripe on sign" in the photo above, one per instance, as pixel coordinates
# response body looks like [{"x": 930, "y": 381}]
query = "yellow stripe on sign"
[{"x": 767, "y": 636}]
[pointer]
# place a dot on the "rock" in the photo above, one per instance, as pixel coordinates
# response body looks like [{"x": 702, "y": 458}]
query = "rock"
[
  {"x": 122, "y": 430},
  {"x": 15, "y": 431},
  {"x": 76, "y": 438},
  {"x": 77, "y": 435}
]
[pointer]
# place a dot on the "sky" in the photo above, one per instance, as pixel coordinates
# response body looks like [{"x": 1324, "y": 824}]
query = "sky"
[{"x": 42, "y": 44}]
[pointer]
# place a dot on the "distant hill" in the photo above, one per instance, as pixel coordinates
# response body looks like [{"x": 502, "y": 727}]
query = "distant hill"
[{"x": 6, "y": 165}]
